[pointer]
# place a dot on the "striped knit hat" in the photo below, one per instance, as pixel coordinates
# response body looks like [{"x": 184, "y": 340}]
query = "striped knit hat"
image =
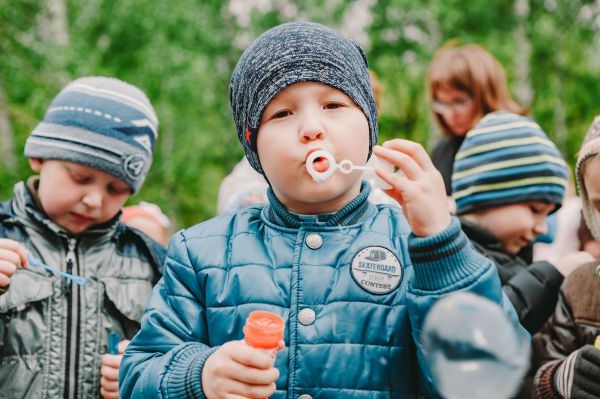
[
  {"x": 291, "y": 53},
  {"x": 99, "y": 122},
  {"x": 590, "y": 148},
  {"x": 505, "y": 159}
]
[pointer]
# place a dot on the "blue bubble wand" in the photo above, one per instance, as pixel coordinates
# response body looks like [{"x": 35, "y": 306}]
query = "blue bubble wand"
[{"x": 79, "y": 280}]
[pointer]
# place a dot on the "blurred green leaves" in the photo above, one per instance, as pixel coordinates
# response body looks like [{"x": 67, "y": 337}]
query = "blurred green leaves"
[{"x": 182, "y": 53}]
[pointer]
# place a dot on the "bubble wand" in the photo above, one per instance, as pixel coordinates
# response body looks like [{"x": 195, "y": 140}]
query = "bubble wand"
[
  {"x": 345, "y": 166},
  {"x": 79, "y": 280}
]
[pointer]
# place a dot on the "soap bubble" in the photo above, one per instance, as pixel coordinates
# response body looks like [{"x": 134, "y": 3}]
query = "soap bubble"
[{"x": 473, "y": 349}]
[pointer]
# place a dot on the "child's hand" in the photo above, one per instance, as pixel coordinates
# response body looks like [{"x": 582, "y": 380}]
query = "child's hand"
[
  {"x": 237, "y": 370},
  {"x": 568, "y": 263},
  {"x": 593, "y": 247},
  {"x": 420, "y": 191},
  {"x": 577, "y": 376},
  {"x": 109, "y": 373},
  {"x": 12, "y": 255}
]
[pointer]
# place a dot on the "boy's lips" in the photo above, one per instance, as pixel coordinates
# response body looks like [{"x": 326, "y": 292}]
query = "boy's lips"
[
  {"x": 525, "y": 242},
  {"x": 320, "y": 164},
  {"x": 310, "y": 152},
  {"x": 79, "y": 218}
]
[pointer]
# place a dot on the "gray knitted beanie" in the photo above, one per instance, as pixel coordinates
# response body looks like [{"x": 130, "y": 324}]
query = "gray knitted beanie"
[
  {"x": 291, "y": 53},
  {"x": 100, "y": 122}
]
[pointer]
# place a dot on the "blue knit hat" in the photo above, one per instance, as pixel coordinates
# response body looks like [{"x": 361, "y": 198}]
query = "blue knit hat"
[
  {"x": 291, "y": 53},
  {"x": 505, "y": 159},
  {"x": 99, "y": 122}
]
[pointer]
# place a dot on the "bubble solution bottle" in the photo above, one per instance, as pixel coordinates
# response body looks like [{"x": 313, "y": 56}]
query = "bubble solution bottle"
[{"x": 264, "y": 330}]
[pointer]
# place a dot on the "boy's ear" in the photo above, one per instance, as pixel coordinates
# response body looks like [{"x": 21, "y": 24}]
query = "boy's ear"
[{"x": 35, "y": 164}]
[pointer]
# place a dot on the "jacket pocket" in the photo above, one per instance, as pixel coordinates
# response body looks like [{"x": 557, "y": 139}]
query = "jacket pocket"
[
  {"x": 26, "y": 287},
  {"x": 129, "y": 297},
  {"x": 22, "y": 313},
  {"x": 124, "y": 304}
]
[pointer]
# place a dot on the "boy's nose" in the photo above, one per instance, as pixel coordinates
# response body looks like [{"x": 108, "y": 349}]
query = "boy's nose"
[
  {"x": 310, "y": 135},
  {"x": 311, "y": 130},
  {"x": 541, "y": 227},
  {"x": 92, "y": 199}
]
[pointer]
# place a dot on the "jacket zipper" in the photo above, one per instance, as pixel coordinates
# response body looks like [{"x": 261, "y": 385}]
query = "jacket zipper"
[{"x": 72, "y": 293}]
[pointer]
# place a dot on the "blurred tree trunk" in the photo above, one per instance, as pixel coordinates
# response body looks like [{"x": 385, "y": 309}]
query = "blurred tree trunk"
[
  {"x": 432, "y": 44},
  {"x": 53, "y": 29},
  {"x": 523, "y": 90},
  {"x": 7, "y": 144},
  {"x": 560, "y": 112},
  {"x": 53, "y": 23}
]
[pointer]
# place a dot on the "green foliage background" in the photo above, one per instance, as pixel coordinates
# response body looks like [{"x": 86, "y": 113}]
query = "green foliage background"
[{"x": 182, "y": 53}]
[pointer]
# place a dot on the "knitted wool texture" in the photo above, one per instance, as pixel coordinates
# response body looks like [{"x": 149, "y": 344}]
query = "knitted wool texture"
[
  {"x": 99, "y": 122},
  {"x": 291, "y": 53},
  {"x": 505, "y": 159},
  {"x": 589, "y": 149}
]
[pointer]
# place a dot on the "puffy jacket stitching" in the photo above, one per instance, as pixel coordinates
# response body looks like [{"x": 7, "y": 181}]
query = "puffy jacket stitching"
[
  {"x": 354, "y": 390},
  {"x": 270, "y": 266},
  {"x": 236, "y": 266},
  {"x": 237, "y": 305},
  {"x": 354, "y": 344},
  {"x": 189, "y": 237},
  {"x": 173, "y": 295},
  {"x": 229, "y": 237},
  {"x": 176, "y": 262},
  {"x": 318, "y": 305}
]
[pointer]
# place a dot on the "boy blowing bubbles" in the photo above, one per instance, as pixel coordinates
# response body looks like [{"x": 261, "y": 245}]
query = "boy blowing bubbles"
[
  {"x": 92, "y": 150},
  {"x": 353, "y": 280}
]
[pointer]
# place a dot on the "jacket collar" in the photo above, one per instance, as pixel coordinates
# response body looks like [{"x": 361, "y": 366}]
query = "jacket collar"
[
  {"x": 353, "y": 212},
  {"x": 26, "y": 207},
  {"x": 479, "y": 234}
]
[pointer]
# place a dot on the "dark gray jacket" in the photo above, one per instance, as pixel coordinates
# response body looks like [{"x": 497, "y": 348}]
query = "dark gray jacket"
[
  {"x": 531, "y": 287},
  {"x": 52, "y": 332}
]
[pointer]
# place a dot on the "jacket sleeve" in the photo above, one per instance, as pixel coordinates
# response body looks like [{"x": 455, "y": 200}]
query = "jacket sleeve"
[
  {"x": 442, "y": 264},
  {"x": 534, "y": 292},
  {"x": 166, "y": 357}
]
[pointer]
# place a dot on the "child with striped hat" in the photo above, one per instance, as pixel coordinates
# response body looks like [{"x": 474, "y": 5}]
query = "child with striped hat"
[{"x": 508, "y": 177}]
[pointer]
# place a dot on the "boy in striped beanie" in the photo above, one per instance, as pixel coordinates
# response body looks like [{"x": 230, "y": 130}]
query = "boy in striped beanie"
[
  {"x": 508, "y": 176},
  {"x": 87, "y": 275}
]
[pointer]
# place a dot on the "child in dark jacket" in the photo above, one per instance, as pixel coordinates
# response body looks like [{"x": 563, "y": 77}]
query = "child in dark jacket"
[
  {"x": 72, "y": 275},
  {"x": 572, "y": 362},
  {"x": 353, "y": 281},
  {"x": 508, "y": 176}
]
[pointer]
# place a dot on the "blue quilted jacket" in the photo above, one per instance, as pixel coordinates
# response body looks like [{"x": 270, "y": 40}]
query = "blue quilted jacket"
[{"x": 354, "y": 288}]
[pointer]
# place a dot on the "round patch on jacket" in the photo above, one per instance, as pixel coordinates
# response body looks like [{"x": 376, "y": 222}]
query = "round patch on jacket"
[{"x": 377, "y": 270}]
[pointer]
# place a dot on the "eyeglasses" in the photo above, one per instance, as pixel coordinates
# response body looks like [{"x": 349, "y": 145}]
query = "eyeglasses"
[{"x": 458, "y": 105}]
